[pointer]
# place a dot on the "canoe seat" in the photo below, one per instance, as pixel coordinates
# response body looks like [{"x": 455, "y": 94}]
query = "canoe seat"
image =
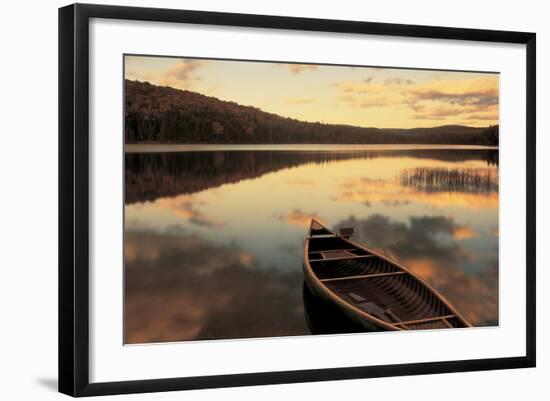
[
  {"x": 372, "y": 309},
  {"x": 337, "y": 254},
  {"x": 356, "y": 297}
]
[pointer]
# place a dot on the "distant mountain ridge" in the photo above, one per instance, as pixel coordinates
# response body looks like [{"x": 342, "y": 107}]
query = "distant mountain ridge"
[{"x": 156, "y": 114}]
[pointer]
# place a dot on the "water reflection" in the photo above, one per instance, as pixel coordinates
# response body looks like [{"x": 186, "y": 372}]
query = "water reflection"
[
  {"x": 181, "y": 287},
  {"x": 213, "y": 240},
  {"x": 149, "y": 176}
]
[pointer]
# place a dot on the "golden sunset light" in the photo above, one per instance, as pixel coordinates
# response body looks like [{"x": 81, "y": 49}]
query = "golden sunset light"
[
  {"x": 360, "y": 96},
  {"x": 318, "y": 189}
]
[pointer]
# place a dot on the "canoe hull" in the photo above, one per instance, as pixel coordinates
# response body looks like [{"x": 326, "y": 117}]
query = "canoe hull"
[
  {"x": 327, "y": 297},
  {"x": 324, "y": 317}
]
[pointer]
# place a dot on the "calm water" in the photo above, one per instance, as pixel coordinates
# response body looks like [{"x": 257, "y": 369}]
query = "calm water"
[{"x": 213, "y": 242}]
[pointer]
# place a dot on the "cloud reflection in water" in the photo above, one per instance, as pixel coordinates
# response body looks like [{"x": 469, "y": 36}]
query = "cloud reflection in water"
[{"x": 181, "y": 288}]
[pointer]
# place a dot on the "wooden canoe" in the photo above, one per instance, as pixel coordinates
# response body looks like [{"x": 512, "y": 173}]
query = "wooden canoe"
[{"x": 370, "y": 289}]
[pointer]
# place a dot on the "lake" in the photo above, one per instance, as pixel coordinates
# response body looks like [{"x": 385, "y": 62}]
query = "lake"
[{"x": 214, "y": 235}]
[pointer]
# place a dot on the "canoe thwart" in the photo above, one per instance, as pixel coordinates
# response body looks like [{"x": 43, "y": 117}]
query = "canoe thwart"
[
  {"x": 342, "y": 258},
  {"x": 320, "y": 236},
  {"x": 334, "y": 250},
  {"x": 362, "y": 276}
]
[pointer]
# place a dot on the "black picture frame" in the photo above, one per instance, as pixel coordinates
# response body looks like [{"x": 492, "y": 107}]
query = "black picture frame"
[{"x": 74, "y": 200}]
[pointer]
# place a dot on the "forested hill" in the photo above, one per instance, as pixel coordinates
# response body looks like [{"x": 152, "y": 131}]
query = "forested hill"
[{"x": 168, "y": 115}]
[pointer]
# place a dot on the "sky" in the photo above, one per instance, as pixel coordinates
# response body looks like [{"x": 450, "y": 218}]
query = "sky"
[{"x": 361, "y": 96}]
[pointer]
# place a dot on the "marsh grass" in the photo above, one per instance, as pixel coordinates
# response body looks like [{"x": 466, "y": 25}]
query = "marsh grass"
[{"x": 432, "y": 179}]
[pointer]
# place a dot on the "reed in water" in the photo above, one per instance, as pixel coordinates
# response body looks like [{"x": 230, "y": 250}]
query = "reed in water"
[{"x": 432, "y": 179}]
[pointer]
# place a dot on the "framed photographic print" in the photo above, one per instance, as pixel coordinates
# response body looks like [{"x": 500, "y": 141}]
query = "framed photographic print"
[{"x": 249, "y": 199}]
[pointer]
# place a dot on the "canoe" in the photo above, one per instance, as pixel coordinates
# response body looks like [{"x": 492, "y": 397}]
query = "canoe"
[{"x": 370, "y": 289}]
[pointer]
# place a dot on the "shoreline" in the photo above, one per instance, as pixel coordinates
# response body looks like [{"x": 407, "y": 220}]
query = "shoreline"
[{"x": 301, "y": 147}]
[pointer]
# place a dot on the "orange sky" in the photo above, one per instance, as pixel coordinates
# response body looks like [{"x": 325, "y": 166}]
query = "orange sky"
[{"x": 362, "y": 96}]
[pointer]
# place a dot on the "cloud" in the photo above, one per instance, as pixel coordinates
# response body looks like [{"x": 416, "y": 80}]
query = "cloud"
[
  {"x": 470, "y": 101},
  {"x": 470, "y": 106},
  {"x": 418, "y": 238},
  {"x": 181, "y": 75},
  {"x": 367, "y": 94},
  {"x": 297, "y": 217},
  {"x": 464, "y": 232},
  {"x": 466, "y": 99},
  {"x": 398, "y": 81},
  {"x": 464, "y": 114},
  {"x": 298, "y": 68},
  {"x": 366, "y": 102},
  {"x": 474, "y": 97},
  {"x": 187, "y": 206},
  {"x": 184, "y": 70},
  {"x": 393, "y": 203},
  {"x": 491, "y": 116},
  {"x": 180, "y": 288}
]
